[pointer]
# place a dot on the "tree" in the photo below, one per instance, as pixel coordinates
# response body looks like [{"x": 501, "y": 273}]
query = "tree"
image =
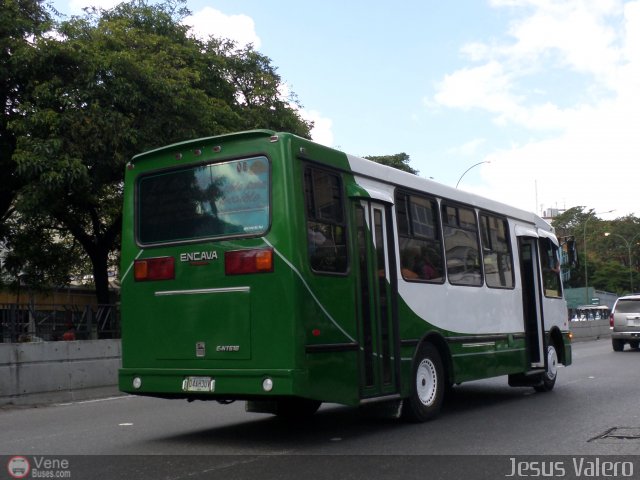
[
  {"x": 39, "y": 256},
  {"x": 19, "y": 20},
  {"x": 607, "y": 256},
  {"x": 256, "y": 89},
  {"x": 117, "y": 83},
  {"x": 621, "y": 247},
  {"x": 609, "y": 277},
  {"x": 570, "y": 222},
  {"x": 399, "y": 161}
]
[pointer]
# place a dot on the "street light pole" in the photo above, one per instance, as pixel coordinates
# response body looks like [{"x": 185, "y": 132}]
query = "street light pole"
[
  {"x": 586, "y": 274},
  {"x": 472, "y": 166},
  {"x": 629, "y": 244}
]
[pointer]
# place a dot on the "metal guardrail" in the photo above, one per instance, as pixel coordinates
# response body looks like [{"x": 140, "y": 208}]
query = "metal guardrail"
[{"x": 52, "y": 322}]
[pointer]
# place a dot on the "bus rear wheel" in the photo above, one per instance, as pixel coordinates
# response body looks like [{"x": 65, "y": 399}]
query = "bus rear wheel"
[{"x": 427, "y": 390}]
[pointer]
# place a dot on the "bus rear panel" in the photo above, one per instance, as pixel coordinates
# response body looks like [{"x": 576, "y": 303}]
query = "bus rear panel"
[{"x": 215, "y": 303}]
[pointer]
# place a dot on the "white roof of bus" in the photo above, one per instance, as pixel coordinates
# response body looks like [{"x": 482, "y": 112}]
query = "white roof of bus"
[
  {"x": 390, "y": 175},
  {"x": 394, "y": 176}
]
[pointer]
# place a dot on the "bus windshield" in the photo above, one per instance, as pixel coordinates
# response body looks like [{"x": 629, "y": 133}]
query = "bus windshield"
[{"x": 207, "y": 201}]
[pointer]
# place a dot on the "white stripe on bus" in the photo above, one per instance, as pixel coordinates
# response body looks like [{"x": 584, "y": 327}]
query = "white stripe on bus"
[{"x": 309, "y": 290}]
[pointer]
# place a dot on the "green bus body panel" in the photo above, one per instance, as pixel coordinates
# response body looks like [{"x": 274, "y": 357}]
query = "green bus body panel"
[
  {"x": 507, "y": 356},
  {"x": 277, "y": 324},
  {"x": 270, "y": 320}
]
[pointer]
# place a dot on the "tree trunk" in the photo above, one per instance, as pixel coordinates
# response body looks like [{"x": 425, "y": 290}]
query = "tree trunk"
[
  {"x": 97, "y": 247},
  {"x": 99, "y": 262}
]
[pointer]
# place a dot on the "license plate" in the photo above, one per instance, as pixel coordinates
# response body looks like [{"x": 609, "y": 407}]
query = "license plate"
[{"x": 199, "y": 384}]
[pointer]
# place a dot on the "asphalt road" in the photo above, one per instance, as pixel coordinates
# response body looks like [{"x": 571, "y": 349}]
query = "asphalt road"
[{"x": 593, "y": 406}]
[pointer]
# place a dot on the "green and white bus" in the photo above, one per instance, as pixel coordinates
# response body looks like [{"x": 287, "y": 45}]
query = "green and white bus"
[{"x": 261, "y": 266}]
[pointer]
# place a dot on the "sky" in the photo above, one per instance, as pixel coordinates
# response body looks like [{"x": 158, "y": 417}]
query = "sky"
[{"x": 545, "y": 93}]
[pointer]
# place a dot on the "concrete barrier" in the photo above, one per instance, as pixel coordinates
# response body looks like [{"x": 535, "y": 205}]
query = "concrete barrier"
[
  {"x": 47, "y": 372},
  {"x": 590, "y": 329}
]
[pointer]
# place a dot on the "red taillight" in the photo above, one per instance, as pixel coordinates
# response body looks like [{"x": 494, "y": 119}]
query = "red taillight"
[
  {"x": 161, "y": 268},
  {"x": 239, "y": 262},
  {"x": 611, "y": 320}
]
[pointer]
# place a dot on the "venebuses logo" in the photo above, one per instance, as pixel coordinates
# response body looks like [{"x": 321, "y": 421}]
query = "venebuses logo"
[
  {"x": 18, "y": 467},
  {"x": 38, "y": 467}
]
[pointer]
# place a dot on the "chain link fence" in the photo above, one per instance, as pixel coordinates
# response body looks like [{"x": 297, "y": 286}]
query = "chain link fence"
[{"x": 54, "y": 322}]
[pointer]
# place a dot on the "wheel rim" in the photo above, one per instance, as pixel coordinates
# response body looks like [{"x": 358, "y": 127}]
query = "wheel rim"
[
  {"x": 426, "y": 382},
  {"x": 552, "y": 363}
]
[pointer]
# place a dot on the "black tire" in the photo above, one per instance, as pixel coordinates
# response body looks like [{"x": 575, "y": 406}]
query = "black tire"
[
  {"x": 634, "y": 345},
  {"x": 427, "y": 386},
  {"x": 549, "y": 376},
  {"x": 617, "y": 344},
  {"x": 296, "y": 408}
]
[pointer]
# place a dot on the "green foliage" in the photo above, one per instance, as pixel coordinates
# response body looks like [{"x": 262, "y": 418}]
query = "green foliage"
[
  {"x": 399, "y": 161},
  {"x": 607, "y": 257},
  {"x": 115, "y": 83},
  {"x": 569, "y": 222},
  {"x": 19, "y": 20},
  {"x": 622, "y": 247},
  {"x": 610, "y": 277},
  {"x": 40, "y": 257},
  {"x": 256, "y": 89}
]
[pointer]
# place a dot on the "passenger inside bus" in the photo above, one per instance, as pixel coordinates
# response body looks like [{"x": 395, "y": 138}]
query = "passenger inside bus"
[{"x": 418, "y": 264}]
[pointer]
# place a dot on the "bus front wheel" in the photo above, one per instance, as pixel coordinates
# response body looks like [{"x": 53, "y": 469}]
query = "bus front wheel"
[
  {"x": 427, "y": 390},
  {"x": 551, "y": 372}
]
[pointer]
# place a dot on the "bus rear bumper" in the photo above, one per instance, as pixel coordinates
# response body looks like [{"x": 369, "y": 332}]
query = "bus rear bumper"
[{"x": 208, "y": 384}]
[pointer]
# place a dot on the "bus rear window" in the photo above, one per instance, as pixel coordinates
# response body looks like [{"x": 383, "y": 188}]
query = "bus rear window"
[{"x": 208, "y": 201}]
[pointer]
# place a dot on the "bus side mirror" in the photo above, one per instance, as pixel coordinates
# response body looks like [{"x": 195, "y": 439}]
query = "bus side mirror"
[{"x": 572, "y": 256}]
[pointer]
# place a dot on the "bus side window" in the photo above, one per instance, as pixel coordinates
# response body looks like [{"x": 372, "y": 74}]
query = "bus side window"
[
  {"x": 326, "y": 227},
  {"x": 550, "y": 262},
  {"x": 461, "y": 244},
  {"x": 496, "y": 248},
  {"x": 419, "y": 238}
]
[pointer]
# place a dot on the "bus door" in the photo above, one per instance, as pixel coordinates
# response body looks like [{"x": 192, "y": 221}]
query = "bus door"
[
  {"x": 376, "y": 299},
  {"x": 531, "y": 299}
]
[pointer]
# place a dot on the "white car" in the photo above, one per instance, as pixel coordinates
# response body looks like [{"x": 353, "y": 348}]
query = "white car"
[{"x": 625, "y": 322}]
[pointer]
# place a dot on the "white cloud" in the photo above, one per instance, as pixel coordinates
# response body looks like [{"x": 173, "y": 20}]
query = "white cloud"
[
  {"x": 322, "y": 126},
  {"x": 576, "y": 32},
  {"x": 467, "y": 149},
  {"x": 476, "y": 51},
  {"x": 211, "y": 22},
  {"x": 594, "y": 163},
  {"x": 590, "y": 154},
  {"x": 486, "y": 87}
]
